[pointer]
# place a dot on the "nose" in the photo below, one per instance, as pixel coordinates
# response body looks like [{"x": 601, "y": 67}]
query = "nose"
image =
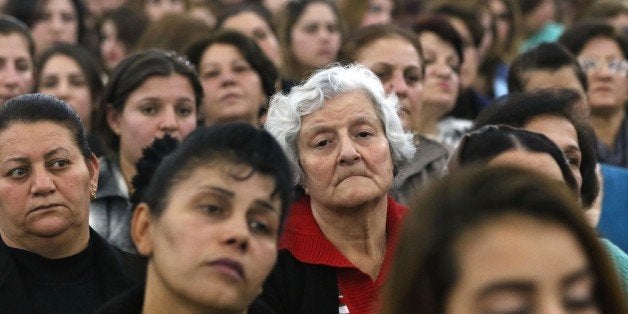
[
  {"x": 10, "y": 76},
  {"x": 63, "y": 91},
  {"x": 169, "y": 122},
  {"x": 56, "y": 24},
  {"x": 227, "y": 78},
  {"x": 349, "y": 155},
  {"x": 42, "y": 183},
  {"x": 236, "y": 233},
  {"x": 398, "y": 85}
]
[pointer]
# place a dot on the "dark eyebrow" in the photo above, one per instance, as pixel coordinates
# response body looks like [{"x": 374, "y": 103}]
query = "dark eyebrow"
[
  {"x": 577, "y": 276},
  {"x": 266, "y": 205},
  {"x": 55, "y": 151},
  {"x": 509, "y": 286},
  {"x": 219, "y": 190}
]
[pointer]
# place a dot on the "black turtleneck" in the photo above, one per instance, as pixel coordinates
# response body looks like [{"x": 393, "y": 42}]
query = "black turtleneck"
[{"x": 65, "y": 285}]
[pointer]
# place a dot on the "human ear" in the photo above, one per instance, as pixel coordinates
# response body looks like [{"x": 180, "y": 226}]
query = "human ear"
[
  {"x": 141, "y": 229},
  {"x": 113, "y": 119}
]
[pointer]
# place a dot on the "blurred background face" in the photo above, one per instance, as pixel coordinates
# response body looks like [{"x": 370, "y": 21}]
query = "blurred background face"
[
  {"x": 542, "y": 14},
  {"x": 162, "y": 104},
  {"x": 606, "y": 69},
  {"x": 63, "y": 78},
  {"x": 536, "y": 266},
  {"x": 254, "y": 27},
  {"x": 378, "y": 12},
  {"x": 232, "y": 87},
  {"x": 58, "y": 23},
  {"x": 315, "y": 38},
  {"x": 501, "y": 15},
  {"x": 155, "y": 9},
  {"x": 401, "y": 75},
  {"x": 16, "y": 66},
  {"x": 469, "y": 67},
  {"x": 112, "y": 49},
  {"x": 442, "y": 82}
]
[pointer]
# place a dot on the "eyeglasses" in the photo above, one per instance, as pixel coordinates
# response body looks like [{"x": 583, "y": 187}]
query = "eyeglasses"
[{"x": 615, "y": 66}]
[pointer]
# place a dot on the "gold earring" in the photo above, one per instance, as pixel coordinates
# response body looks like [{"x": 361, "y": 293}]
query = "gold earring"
[{"x": 92, "y": 192}]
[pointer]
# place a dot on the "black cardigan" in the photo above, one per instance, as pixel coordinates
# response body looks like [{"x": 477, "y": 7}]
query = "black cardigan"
[
  {"x": 296, "y": 287},
  {"x": 117, "y": 270}
]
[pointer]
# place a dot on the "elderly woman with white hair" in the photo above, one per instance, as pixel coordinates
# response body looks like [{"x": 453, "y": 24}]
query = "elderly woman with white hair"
[{"x": 344, "y": 139}]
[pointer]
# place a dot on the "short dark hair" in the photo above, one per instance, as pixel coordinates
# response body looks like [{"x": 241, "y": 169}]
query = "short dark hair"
[
  {"x": 482, "y": 145},
  {"x": 369, "y": 34},
  {"x": 468, "y": 17},
  {"x": 10, "y": 25},
  {"x": 130, "y": 74},
  {"x": 546, "y": 56},
  {"x": 579, "y": 34},
  {"x": 439, "y": 25},
  {"x": 31, "y": 108},
  {"x": 89, "y": 66},
  {"x": 519, "y": 108},
  {"x": 251, "y": 52},
  {"x": 426, "y": 266},
  {"x": 234, "y": 143}
]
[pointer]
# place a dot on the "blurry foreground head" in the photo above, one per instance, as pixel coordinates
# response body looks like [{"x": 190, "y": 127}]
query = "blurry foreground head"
[{"x": 486, "y": 234}]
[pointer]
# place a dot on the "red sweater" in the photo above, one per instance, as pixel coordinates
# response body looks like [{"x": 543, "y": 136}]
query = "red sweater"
[{"x": 305, "y": 241}]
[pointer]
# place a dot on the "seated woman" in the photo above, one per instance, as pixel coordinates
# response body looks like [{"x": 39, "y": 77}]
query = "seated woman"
[
  {"x": 52, "y": 262},
  {"x": 459, "y": 251},
  {"x": 343, "y": 138},
  {"x": 149, "y": 95},
  {"x": 503, "y": 145},
  {"x": 237, "y": 78},
  {"x": 208, "y": 219}
]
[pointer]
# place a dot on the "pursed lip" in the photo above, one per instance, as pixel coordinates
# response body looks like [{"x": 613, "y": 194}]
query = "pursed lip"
[
  {"x": 45, "y": 206},
  {"x": 353, "y": 173},
  {"x": 230, "y": 96},
  {"x": 229, "y": 264}
]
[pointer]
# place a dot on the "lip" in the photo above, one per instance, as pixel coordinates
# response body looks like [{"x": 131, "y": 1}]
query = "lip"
[
  {"x": 231, "y": 96},
  {"x": 229, "y": 267},
  {"x": 603, "y": 88},
  {"x": 353, "y": 173},
  {"x": 45, "y": 206}
]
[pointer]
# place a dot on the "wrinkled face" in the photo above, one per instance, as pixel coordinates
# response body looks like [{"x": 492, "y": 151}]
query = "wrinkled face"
[
  {"x": 442, "y": 81},
  {"x": 401, "y": 75},
  {"x": 542, "y": 163},
  {"x": 45, "y": 186},
  {"x": 233, "y": 90},
  {"x": 58, "y": 24},
  {"x": 564, "y": 135},
  {"x": 378, "y": 12},
  {"x": 16, "y": 66},
  {"x": 469, "y": 67},
  {"x": 606, "y": 69},
  {"x": 344, "y": 153},
  {"x": 518, "y": 264},
  {"x": 112, "y": 49},
  {"x": 155, "y": 9},
  {"x": 254, "y": 27},
  {"x": 315, "y": 37},
  {"x": 162, "y": 104},
  {"x": 63, "y": 78},
  {"x": 216, "y": 241}
]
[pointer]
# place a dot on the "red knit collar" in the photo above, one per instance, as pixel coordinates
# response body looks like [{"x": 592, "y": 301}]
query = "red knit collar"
[{"x": 304, "y": 239}]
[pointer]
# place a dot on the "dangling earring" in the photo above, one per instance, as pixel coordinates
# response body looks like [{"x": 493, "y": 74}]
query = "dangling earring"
[{"x": 92, "y": 192}]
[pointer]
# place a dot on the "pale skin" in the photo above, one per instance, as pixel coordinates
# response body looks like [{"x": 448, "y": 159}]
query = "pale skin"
[{"x": 347, "y": 163}]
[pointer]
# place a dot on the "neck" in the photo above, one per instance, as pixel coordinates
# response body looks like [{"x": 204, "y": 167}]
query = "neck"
[
  {"x": 606, "y": 126},
  {"x": 159, "y": 299},
  {"x": 68, "y": 243},
  {"x": 128, "y": 171},
  {"x": 358, "y": 233}
]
